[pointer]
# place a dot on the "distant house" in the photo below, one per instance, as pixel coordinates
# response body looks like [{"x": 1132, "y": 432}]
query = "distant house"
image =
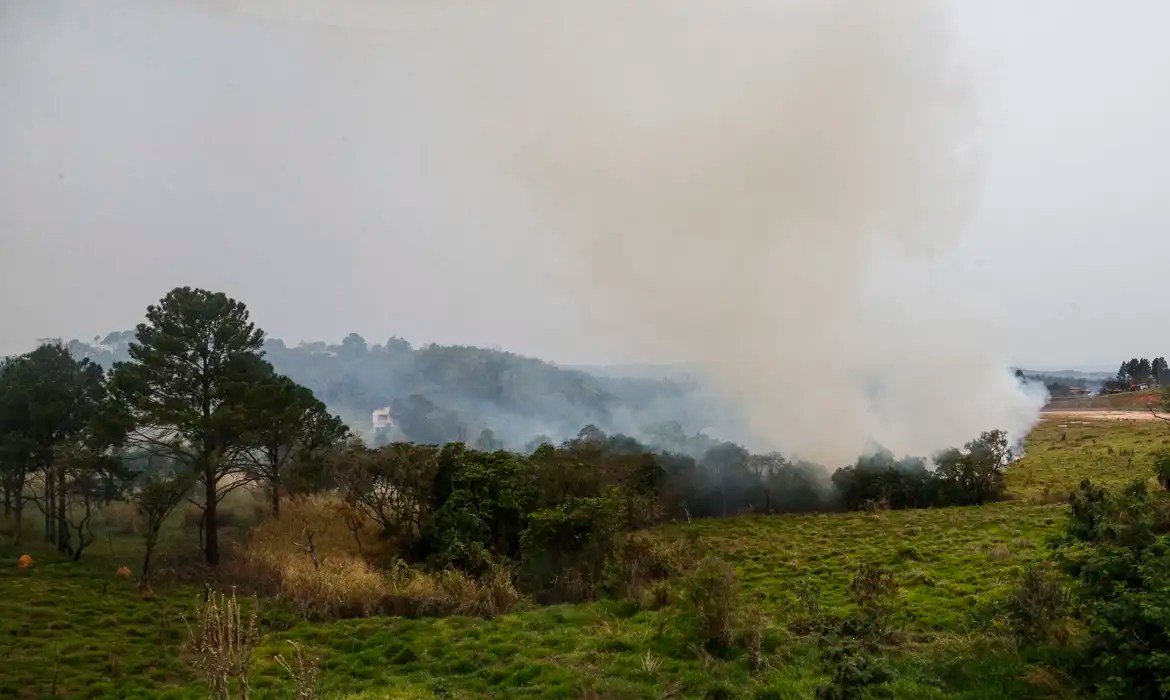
[
  {"x": 382, "y": 419},
  {"x": 1078, "y": 391}
]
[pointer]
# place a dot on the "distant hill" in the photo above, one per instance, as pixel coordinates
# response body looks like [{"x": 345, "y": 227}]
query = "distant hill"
[
  {"x": 1069, "y": 374},
  {"x": 440, "y": 393}
]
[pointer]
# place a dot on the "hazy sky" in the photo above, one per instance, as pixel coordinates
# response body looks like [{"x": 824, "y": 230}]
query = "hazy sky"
[{"x": 301, "y": 160}]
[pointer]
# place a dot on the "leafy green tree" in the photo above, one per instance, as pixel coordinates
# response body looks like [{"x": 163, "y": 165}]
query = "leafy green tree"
[
  {"x": 185, "y": 389},
  {"x": 49, "y": 404},
  {"x": 479, "y": 507},
  {"x": 976, "y": 475},
  {"x": 286, "y": 424},
  {"x": 155, "y": 499},
  {"x": 90, "y": 475},
  {"x": 1158, "y": 368},
  {"x": 563, "y": 551},
  {"x": 1145, "y": 370},
  {"x": 391, "y": 485}
]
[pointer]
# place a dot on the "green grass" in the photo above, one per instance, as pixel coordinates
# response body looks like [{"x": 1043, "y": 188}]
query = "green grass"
[
  {"x": 950, "y": 561},
  {"x": 1061, "y": 452},
  {"x": 74, "y": 629}
]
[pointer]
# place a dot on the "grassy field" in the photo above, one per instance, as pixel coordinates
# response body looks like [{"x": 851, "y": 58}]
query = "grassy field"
[
  {"x": 1124, "y": 401},
  {"x": 73, "y": 631}
]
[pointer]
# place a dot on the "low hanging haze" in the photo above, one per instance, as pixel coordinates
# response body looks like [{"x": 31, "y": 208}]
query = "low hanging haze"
[{"x": 804, "y": 196}]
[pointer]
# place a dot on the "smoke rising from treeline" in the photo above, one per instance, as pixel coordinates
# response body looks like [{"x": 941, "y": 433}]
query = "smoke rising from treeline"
[{"x": 755, "y": 187}]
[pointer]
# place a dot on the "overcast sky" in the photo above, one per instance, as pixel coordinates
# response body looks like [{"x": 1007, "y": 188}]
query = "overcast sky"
[{"x": 291, "y": 160}]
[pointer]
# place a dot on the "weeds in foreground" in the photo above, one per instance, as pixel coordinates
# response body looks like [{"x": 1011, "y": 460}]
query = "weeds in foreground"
[
  {"x": 305, "y": 671},
  {"x": 221, "y": 643}
]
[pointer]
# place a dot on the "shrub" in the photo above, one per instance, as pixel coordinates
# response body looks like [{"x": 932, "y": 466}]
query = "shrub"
[
  {"x": 713, "y": 591},
  {"x": 851, "y": 646},
  {"x": 642, "y": 560},
  {"x": 1038, "y": 600},
  {"x": 1118, "y": 550},
  {"x": 564, "y": 550},
  {"x": 1162, "y": 468}
]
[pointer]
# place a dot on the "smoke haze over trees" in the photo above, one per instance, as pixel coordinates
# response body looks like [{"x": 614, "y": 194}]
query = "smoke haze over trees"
[
  {"x": 719, "y": 184},
  {"x": 443, "y": 394}
]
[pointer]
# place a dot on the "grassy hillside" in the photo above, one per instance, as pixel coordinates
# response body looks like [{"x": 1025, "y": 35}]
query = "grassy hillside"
[
  {"x": 1125, "y": 401},
  {"x": 72, "y": 630}
]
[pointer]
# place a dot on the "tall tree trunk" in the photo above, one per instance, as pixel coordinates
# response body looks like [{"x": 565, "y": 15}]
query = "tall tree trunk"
[
  {"x": 18, "y": 512},
  {"x": 276, "y": 494},
  {"x": 50, "y": 496},
  {"x": 144, "y": 574},
  {"x": 62, "y": 522},
  {"x": 211, "y": 550}
]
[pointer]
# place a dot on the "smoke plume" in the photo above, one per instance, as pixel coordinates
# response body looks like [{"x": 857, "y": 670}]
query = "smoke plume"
[{"x": 758, "y": 188}]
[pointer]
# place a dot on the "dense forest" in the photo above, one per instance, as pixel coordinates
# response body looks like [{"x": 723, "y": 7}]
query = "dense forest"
[{"x": 441, "y": 394}]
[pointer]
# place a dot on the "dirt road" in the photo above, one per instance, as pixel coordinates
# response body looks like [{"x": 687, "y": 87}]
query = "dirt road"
[{"x": 1098, "y": 415}]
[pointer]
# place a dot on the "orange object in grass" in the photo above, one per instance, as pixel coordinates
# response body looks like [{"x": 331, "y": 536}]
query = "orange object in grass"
[
  {"x": 122, "y": 572},
  {"x": 25, "y": 561}
]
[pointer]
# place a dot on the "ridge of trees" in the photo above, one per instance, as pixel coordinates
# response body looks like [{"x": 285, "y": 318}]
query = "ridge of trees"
[
  {"x": 195, "y": 410},
  {"x": 441, "y": 394}
]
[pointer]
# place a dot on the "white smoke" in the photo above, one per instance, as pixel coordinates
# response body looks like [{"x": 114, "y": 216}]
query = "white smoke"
[{"x": 757, "y": 186}]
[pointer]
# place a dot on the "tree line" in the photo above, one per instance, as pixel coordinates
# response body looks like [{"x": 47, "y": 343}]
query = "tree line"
[
  {"x": 1140, "y": 371},
  {"x": 440, "y": 394},
  {"x": 196, "y": 411}
]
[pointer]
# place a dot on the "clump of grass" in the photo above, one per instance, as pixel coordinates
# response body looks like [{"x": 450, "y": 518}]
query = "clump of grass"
[
  {"x": 999, "y": 552},
  {"x": 221, "y": 644},
  {"x": 305, "y": 671}
]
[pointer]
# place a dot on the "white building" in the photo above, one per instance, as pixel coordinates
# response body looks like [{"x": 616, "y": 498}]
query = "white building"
[{"x": 382, "y": 419}]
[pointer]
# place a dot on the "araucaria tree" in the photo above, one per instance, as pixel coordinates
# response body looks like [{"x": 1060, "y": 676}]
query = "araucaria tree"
[{"x": 185, "y": 390}]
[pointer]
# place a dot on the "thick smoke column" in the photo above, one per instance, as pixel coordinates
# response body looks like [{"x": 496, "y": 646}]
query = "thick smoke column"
[
  {"x": 754, "y": 186},
  {"x": 757, "y": 186}
]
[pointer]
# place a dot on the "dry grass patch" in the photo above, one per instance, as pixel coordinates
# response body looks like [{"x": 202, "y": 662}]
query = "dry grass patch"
[{"x": 315, "y": 558}]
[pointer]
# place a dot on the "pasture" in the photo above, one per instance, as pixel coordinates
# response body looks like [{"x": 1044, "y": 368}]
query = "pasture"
[{"x": 73, "y": 630}]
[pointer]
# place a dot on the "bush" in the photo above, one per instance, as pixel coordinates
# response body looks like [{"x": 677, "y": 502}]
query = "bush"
[
  {"x": 1162, "y": 469},
  {"x": 851, "y": 647},
  {"x": 1118, "y": 551},
  {"x": 1039, "y": 599},
  {"x": 713, "y": 591},
  {"x": 642, "y": 560},
  {"x": 564, "y": 551}
]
